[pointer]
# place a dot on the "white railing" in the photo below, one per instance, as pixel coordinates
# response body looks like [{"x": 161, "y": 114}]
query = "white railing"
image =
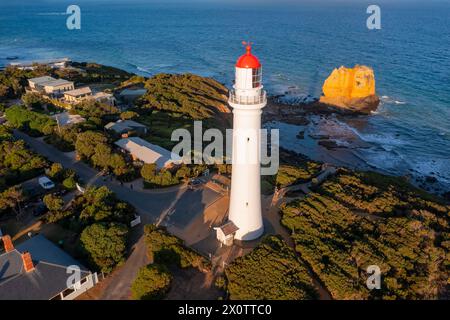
[{"x": 246, "y": 100}]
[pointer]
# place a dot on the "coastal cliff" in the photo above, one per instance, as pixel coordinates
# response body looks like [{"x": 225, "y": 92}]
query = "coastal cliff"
[{"x": 352, "y": 89}]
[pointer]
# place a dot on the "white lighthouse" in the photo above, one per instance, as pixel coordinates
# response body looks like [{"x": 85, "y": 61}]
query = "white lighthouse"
[{"x": 247, "y": 100}]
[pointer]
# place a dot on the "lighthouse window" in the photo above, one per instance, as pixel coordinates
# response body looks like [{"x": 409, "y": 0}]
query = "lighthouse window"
[{"x": 256, "y": 75}]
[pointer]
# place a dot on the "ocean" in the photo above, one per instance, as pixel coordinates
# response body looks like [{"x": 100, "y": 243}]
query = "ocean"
[{"x": 298, "y": 44}]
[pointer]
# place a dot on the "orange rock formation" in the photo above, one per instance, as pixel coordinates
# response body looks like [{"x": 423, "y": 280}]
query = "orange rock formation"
[{"x": 351, "y": 88}]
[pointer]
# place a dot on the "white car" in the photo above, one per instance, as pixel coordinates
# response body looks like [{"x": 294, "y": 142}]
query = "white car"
[{"x": 46, "y": 183}]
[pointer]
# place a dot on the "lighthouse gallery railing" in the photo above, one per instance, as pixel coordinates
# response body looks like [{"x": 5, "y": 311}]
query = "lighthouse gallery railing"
[{"x": 246, "y": 100}]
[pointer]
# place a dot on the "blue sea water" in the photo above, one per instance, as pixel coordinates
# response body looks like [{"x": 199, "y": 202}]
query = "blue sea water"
[{"x": 299, "y": 44}]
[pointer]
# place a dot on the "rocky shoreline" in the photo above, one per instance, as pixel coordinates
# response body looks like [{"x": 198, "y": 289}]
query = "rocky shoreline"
[{"x": 305, "y": 117}]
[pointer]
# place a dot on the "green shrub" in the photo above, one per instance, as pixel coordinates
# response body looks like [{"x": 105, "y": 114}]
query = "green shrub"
[
  {"x": 105, "y": 244},
  {"x": 169, "y": 250},
  {"x": 271, "y": 271},
  {"x": 151, "y": 283},
  {"x": 357, "y": 219},
  {"x": 70, "y": 183}
]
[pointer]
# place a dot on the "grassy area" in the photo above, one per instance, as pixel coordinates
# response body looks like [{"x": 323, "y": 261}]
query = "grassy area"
[
  {"x": 162, "y": 124},
  {"x": 290, "y": 174},
  {"x": 188, "y": 94}
]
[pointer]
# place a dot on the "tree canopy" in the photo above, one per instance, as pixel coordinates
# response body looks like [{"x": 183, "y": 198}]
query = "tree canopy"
[
  {"x": 167, "y": 249},
  {"x": 18, "y": 163},
  {"x": 101, "y": 205},
  {"x": 94, "y": 147},
  {"x": 105, "y": 244},
  {"x": 152, "y": 282}
]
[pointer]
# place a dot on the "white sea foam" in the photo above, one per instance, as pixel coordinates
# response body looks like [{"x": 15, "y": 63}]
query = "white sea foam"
[
  {"x": 51, "y": 13},
  {"x": 143, "y": 70}
]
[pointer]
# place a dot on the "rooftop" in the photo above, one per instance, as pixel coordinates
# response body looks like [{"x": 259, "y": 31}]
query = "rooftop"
[
  {"x": 49, "y": 81},
  {"x": 248, "y": 60},
  {"x": 148, "y": 152},
  {"x": 40, "y": 80},
  {"x": 48, "y": 278},
  {"x": 79, "y": 92},
  {"x": 56, "y": 82},
  {"x": 65, "y": 118},
  {"x": 229, "y": 228},
  {"x": 124, "y": 125}
]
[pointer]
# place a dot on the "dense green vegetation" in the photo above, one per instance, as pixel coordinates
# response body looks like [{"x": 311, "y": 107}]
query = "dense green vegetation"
[
  {"x": 271, "y": 271},
  {"x": 32, "y": 122},
  {"x": 53, "y": 203},
  {"x": 167, "y": 249},
  {"x": 162, "y": 124},
  {"x": 105, "y": 244},
  {"x": 188, "y": 94},
  {"x": 166, "y": 252},
  {"x": 152, "y": 283},
  {"x": 18, "y": 163},
  {"x": 64, "y": 138},
  {"x": 294, "y": 169},
  {"x": 67, "y": 177},
  {"x": 9, "y": 199},
  {"x": 94, "y": 205},
  {"x": 93, "y": 146},
  {"x": 97, "y": 112},
  {"x": 14, "y": 80},
  {"x": 33, "y": 100},
  {"x": 101, "y": 219},
  {"x": 359, "y": 219},
  {"x": 155, "y": 179},
  {"x": 89, "y": 72},
  {"x": 288, "y": 175}
]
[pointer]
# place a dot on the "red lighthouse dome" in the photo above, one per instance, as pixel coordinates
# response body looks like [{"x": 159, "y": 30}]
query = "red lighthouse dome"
[{"x": 248, "y": 60}]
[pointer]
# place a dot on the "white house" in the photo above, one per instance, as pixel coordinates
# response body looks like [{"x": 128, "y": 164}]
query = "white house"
[
  {"x": 103, "y": 97},
  {"x": 50, "y": 85},
  {"x": 80, "y": 94},
  {"x": 77, "y": 95},
  {"x": 66, "y": 119},
  {"x": 147, "y": 152},
  {"x": 225, "y": 234}
]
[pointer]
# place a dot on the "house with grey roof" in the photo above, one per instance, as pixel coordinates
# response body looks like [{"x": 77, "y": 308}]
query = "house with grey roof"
[
  {"x": 37, "y": 269},
  {"x": 127, "y": 127}
]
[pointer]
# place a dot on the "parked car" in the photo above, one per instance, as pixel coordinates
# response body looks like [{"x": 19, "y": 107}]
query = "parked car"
[
  {"x": 194, "y": 184},
  {"x": 46, "y": 183}
]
